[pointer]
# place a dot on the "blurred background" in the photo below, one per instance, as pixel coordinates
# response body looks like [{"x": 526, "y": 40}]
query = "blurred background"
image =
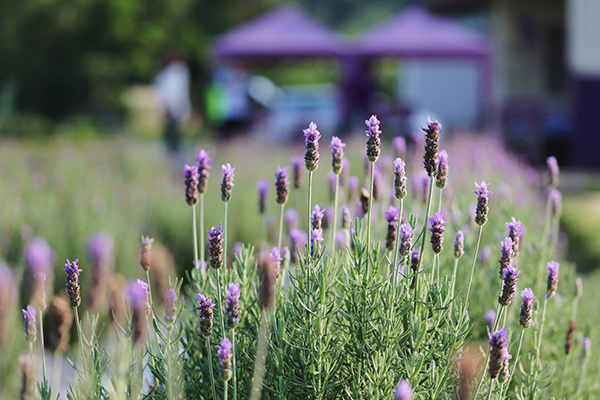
[{"x": 102, "y": 101}]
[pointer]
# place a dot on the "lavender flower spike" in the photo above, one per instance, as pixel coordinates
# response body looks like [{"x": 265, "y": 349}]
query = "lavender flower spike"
[
  {"x": 556, "y": 203},
  {"x": 215, "y": 246},
  {"x": 391, "y": 216},
  {"x": 285, "y": 257},
  {"x": 317, "y": 218},
  {"x": 72, "y": 283},
  {"x": 29, "y": 315},
  {"x": 203, "y": 164},
  {"x": 227, "y": 182},
  {"x": 297, "y": 171},
  {"x": 399, "y": 179},
  {"x": 403, "y": 391},
  {"x": 374, "y": 141},
  {"x": 282, "y": 185},
  {"x": 442, "y": 171},
  {"x": 225, "y": 356},
  {"x": 489, "y": 317},
  {"x": 263, "y": 192},
  {"x": 346, "y": 217},
  {"x": 506, "y": 248},
  {"x": 337, "y": 154},
  {"x": 432, "y": 143},
  {"x": 232, "y": 305},
  {"x": 399, "y": 144},
  {"x": 311, "y": 156},
  {"x": 291, "y": 219},
  {"x": 297, "y": 240},
  {"x": 525, "y": 316},
  {"x": 206, "y": 314},
  {"x": 171, "y": 306},
  {"x": 437, "y": 229},
  {"x": 276, "y": 262},
  {"x": 587, "y": 346},
  {"x": 498, "y": 353},
  {"x": 482, "y": 209},
  {"x": 515, "y": 233},
  {"x": 316, "y": 238},
  {"x": 146, "y": 252},
  {"x": 459, "y": 245},
  {"x": 406, "y": 232},
  {"x": 509, "y": 288},
  {"x": 554, "y": 170},
  {"x": 414, "y": 264},
  {"x": 552, "y": 278},
  {"x": 190, "y": 175}
]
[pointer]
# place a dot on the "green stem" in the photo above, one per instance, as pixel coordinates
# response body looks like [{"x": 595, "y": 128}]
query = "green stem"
[
  {"x": 57, "y": 370},
  {"x": 370, "y": 204},
  {"x": 308, "y": 211},
  {"x": 473, "y": 265},
  {"x": 489, "y": 393},
  {"x": 581, "y": 375},
  {"x": 261, "y": 354},
  {"x": 42, "y": 345},
  {"x": 424, "y": 227},
  {"x": 562, "y": 376},
  {"x": 201, "y": 228},
  {"x": 234, "y": 369},
  {"x": 335, "y": 206},
  {"x": 194, "y": 229},
  {"x": 395, "y": 269},
  {"x": 440, "y": 200},
  {"x": 453, "y": 283},
  {"x": 280, "y": 236},
  {"x": 514, "y": 368},
  {"x": 79, "y": 333},
  {"x": 225, "y": 389},
  {"x": 220, "y": 304},
  {"x": 210, "y": 369},
  {"x": 225, "y": 230},
  {"x": 539, "y": 341}
]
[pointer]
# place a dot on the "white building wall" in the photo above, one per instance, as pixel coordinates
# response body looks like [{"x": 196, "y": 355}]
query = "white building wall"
[{"x": 583, "y": 36}]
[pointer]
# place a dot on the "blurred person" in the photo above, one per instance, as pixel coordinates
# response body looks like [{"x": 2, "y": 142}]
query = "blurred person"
[
  {"x": 173, "y": 87},
  {"x": 227, "y": 99}
]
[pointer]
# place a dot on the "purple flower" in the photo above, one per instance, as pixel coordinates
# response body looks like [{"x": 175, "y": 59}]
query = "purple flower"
[
  {"x": 509, "y": 287},
  {"x": 227, "y": 182},
  {"x": 515, "y": 233},
  {"x": 414, "y": 265},
  {"x": 403, "y": 391},
  {"x": 285, "y": 257},
  {"x": 498, "y": 353},
  {"x": 316, "y": 238},
  {"x": 170, "y": 306},
  {"x": 225, "y": 356},
  {"x": 100, "y": 249},
  {"x": 232, "y": 306},
  {"x": 276, "y": 262},
  {"x": 311, "y": 156},
  {"x": 344, "y": 173},
  {"x": 554, "y": 170},
  {"x": 506, "y": 248},
  {"x": 327, "y": 217},
  {"x": 399, "y": 179},
  {"x": 100, "y": 253},
  {"x": 437, "y": 229},
  {"x": 341, "y": 239},
  {"x": 203, "y": 166},
  {"x": 432, "y": 143},
  {"x": 482, "y": 209},
  {"x": 346, "y": 217},
  {"x": 316, "y": 218},
  {"x": 373, "y": 140},
  {"x": 459, "y": 245},
  {"x": 72, "y": 283},
  {"x": 442, "y": 171},
  {"x": 485, "y": 255},
  {"x": 556, "y": 202},
  {"x": 206, "y": 314},
  {"x": 236, "y": 250},
  {"x": 190, "y": 175},
  {"x": 552, "y": 278},
  {"x": 267, "y": 282},
  {"x": 291, "y": 219},
  {"x": 29, "y": 315},
  {"x": 569, "y": 339},
  {"x": 586, "y": 348},
  {"x": 263, "y": 192},
  {"x": 420, "y": 186},
  {"x": 38, "y": 256},
  {"x": 146, "y": 252},
  {"x": 391, "y": 216},
  {"x": 353, "y": 183},
  {"x": 337, "y": 154},
  {"x": 138, "y": 294},
  {"x": 297, "y": 240},
  {"x": 377, "y": 184},
  {"x": 406, "y": 232},
  {"x": 215, "y": 246},
  {"x": 297, "y": 171},
  {"x": 527, "y": 297},
  {"x": 282, "y": 185},
  {"x": 489, "y": 317},
  {"x": 399, "y": 145}
]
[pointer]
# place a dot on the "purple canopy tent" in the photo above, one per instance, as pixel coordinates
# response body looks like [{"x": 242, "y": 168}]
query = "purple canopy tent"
[
  {"x": 415, "y": 33},
  {"x": 284, "y": 32}
]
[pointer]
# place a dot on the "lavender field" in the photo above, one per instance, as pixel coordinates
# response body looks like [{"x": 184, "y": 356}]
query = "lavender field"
[{"x": 421, "y": 267}]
